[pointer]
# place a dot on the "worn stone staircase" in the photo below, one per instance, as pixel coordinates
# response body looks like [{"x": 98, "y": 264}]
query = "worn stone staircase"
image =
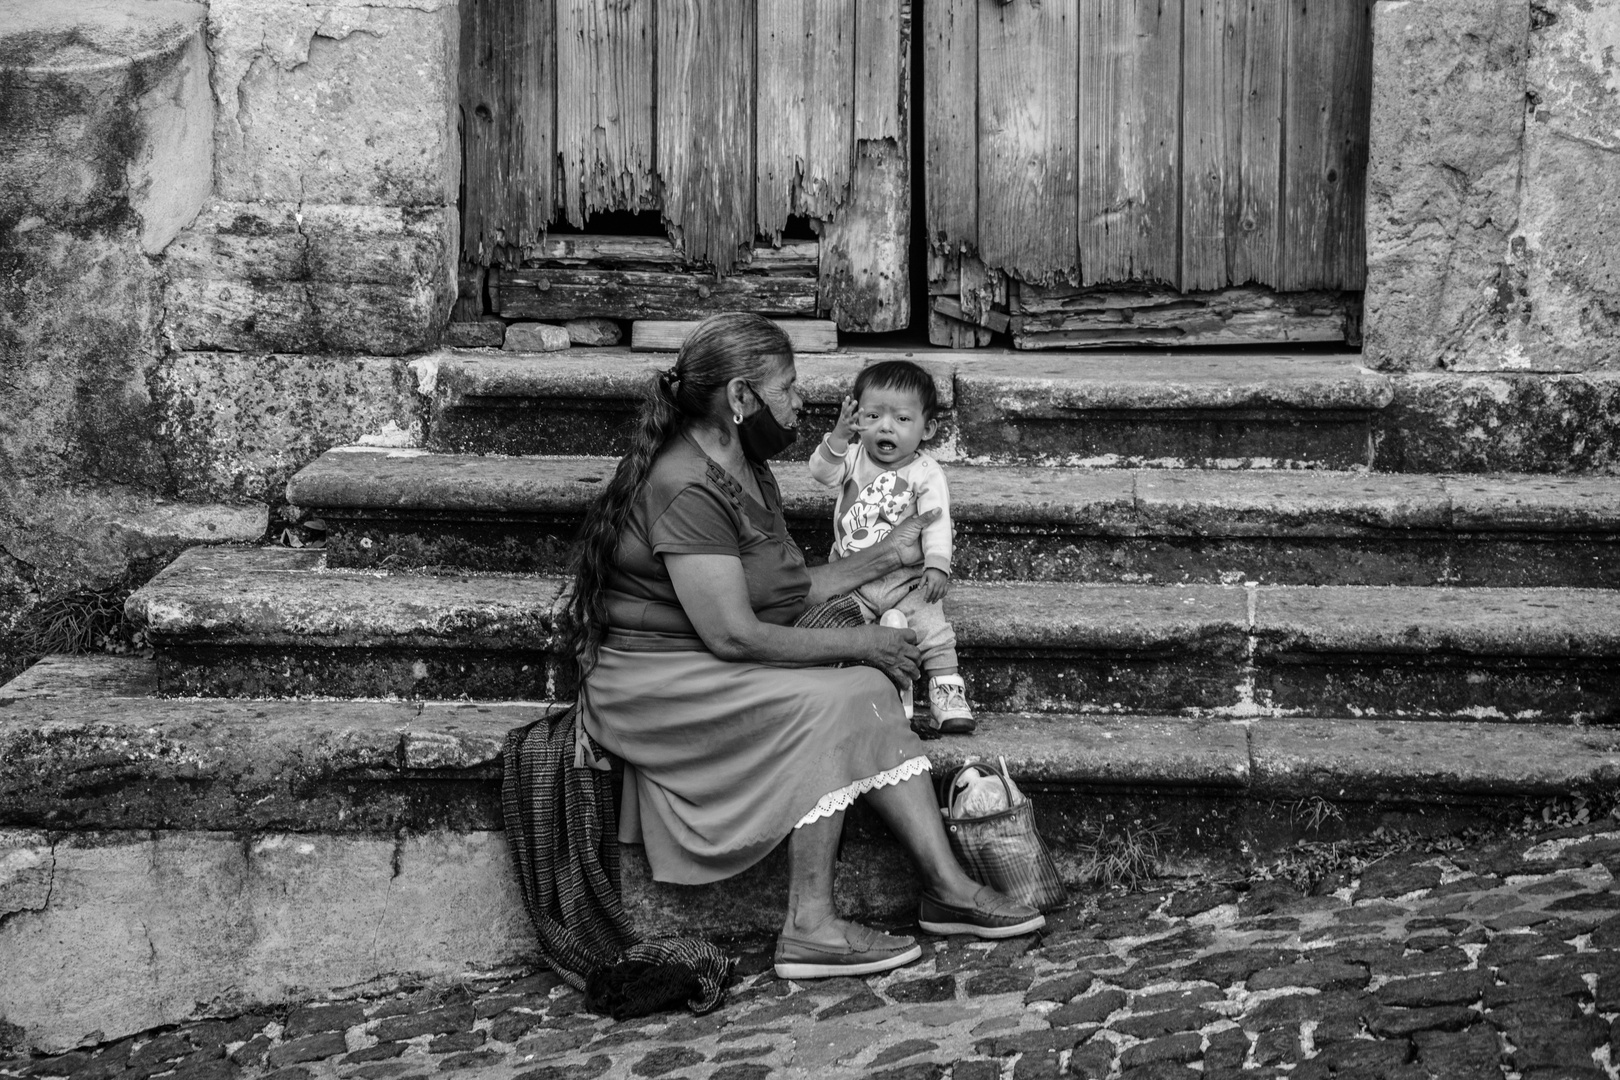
[{"x": 1224, "y": 602}]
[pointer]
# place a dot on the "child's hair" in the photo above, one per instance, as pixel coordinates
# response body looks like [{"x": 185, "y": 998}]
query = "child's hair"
[{"x": 900, "y": 375}]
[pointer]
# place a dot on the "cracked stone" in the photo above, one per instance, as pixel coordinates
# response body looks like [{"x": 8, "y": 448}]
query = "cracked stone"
[
  {"x": 902, "y": 1050},
  {"x": 1197, "y": 901},
  {"x": 432, "y": 1022},
  {"x": 380, "y": 1052},
  {"x": 999, "y": 982},
  {"x": 592, "y": 1068},
  {"x": 163, "y": 1048},
  {"x": 1093, "y": 1062},
  {"x": 750, "y": 1071},
  {"x": 1399, "y": 1023},
  {"x": 743, "y": 1053},
  {"x": 1318, "y": 975},
  {"x": 511, "y": 1026},
  {"x": 473, "y": 1059},
  {"x": 976, "y": 1070},
  {"x": 251, "y": 1052},
  {"x": 1226, "y": 968},
  {"x": 309, "y": 1048},
  {"x": 855, "y": 1003},
  {"x": 1176, "y": 999},
  {"x": 1042, "y": 1065},
  {"x": 1061, "y": 989},
  {"x": 1396, "y": 876},
  {"x": 457, "y": 1040},
  {"x": 918, "y": 991},
  {"x": 1033, "y": 1042},
  {"x": 1472, "y": 1054},
  {"x": 1226, "y": 1049},
  {"x": 1092, "y": 1009},
  {"x": 1149, "y": 1025},
  {"x": 1453, "y": 988},
  {"x": 1177, "y": 1048},
  {"x": 311, "y": 1019},
  {"x": 667, "y": 1059}
]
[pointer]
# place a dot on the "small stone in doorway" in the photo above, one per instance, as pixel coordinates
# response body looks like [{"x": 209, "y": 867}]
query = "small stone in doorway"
[
  {"x": 535, "y": 337},
  {"x": 593, "y": 331}
]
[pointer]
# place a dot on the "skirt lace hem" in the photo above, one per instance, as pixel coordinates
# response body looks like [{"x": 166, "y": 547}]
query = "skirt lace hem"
[{"x": 836, "y": 801}]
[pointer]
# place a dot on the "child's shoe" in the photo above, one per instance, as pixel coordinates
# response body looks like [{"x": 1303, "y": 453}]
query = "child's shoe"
[
  {"x": 947, "y": 697},
  {"x": 896, "y": 619}
]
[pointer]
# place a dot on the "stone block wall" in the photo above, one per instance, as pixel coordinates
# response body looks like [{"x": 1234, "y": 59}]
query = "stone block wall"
[
  {"x": 1493, "y": 213},
  {"x": 220, "y": 222}
]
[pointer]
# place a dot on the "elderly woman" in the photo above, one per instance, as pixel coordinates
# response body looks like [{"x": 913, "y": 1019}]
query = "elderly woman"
[{"x": 735, "y": 728}]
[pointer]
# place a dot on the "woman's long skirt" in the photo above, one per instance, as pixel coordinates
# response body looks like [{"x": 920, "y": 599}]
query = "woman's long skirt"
[{"x": 723, "y": 760}]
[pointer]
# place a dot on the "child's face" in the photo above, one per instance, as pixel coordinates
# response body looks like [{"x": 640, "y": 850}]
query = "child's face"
[{"x": 892, "y": 424}]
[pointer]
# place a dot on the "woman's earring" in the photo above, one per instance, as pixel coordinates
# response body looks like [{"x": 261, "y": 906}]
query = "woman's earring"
[{"x": 736, "y": 418}]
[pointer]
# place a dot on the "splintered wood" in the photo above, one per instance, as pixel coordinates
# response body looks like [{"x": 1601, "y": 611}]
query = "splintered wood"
[
  {"x": 605, "y": 120},
  {"x": 507, "y": 109},
  {"x": 1147, "y": 148},
  {"x": 1069, "y": 317},
  {"x": 636, "y": 277},
  {"x": 738, "y": 121}
]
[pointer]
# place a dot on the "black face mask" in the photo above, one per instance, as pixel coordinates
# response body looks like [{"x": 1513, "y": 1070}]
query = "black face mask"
[{"x": 761, "y": 435}]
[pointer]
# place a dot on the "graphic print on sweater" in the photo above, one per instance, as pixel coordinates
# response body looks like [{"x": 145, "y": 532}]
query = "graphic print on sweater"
[{"x": 880, "y": 506}]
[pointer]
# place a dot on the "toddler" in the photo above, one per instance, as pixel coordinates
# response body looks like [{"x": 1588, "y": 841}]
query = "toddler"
[{"x": 871, "y": 457}]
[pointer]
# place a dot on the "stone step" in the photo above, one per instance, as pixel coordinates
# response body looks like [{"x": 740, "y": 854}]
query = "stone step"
[
  {"x": 1235, "y": 409},
  {"x": 237, "y": 850},
  {"x": 278, "y": 622},
  {"x": 1198, "y": 410},
  {"x": 415, "y": 509}
]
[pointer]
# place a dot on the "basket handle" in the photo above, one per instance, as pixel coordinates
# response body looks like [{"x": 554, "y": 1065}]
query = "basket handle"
[{"x": 948, "y": 781}]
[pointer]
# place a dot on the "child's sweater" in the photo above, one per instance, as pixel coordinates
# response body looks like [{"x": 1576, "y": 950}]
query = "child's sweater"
[{"x": 872, "y": 500}]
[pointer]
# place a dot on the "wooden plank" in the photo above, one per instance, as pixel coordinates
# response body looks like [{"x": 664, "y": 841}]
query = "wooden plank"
[
  {"x": 951, "y": 123},
  {"x": 469, "y": 304},
  {"x": 566, "y": 293},
  {"x": 605, "y": 119},
  {"x": 803, "y": 140},
  {"x": 508, "y": 124},
  {"x": 1027, "y": 153},
  {"x": 806, "y": 335},
  {"x": 954, "y": 333},
  {"x": 995, "y": 320},
  {"x": 983, "y": 290},
  {"x": 1328, "y": 97},
  {"x": 865, "y": 247},
  {"x": 706, "y": 125},
  {"x": 878, "y": 65},
  {"x": 1129, "y": 134},
  {"x": 1245, "y": 316},
  {"x": 585, "y": 250},
  {"x": 1231, "y": 123}
]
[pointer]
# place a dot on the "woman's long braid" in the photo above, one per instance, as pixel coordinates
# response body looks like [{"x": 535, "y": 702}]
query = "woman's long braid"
[
  {"x": 719, "y": 349},
  {"x": 599, "y": 536}
]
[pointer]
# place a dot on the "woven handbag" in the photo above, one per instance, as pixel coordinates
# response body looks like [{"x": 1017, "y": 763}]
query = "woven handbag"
[{"x": 1003, "y": 850}]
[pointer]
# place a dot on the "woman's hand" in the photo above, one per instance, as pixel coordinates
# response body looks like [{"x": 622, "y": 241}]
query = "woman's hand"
[
  {"x": 906, "y": 537},
  {"x": 894, "y": 652}
]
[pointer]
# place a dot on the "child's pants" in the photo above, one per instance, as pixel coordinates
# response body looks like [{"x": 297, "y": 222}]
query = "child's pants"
[{"x": 902, "y": 589}]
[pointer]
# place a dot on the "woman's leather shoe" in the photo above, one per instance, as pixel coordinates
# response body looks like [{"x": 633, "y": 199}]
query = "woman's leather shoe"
[
  {"x": 991, "y": 915},
  {"x": 866, "y": 952}
]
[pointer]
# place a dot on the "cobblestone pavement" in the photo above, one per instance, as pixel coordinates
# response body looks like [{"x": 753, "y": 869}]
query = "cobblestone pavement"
[{"x": 1496, "y": 959}]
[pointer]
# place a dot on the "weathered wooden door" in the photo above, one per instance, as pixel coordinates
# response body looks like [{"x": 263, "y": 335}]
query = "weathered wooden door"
[
  {"x": 727, "y": 117},
  {"x": 1104, "y": 172}
]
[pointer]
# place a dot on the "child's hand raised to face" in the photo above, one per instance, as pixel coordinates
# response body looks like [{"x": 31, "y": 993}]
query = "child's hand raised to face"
[
  {"x": 846, "y": 430},
  {"x": 935, "y": 585}
]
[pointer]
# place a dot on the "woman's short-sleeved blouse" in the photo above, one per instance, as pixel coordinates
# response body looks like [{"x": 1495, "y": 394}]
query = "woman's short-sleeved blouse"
[{"x": 692, "y": 506}]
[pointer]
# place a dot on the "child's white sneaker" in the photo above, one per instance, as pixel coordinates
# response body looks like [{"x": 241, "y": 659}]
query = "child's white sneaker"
[
  {"x": 947, "y": 698},
  {"x": 896, "y": 619}
]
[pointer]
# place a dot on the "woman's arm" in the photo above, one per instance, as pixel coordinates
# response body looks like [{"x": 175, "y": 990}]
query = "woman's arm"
[
  {"x": 714, "y": 595},
  {"x": 902, "y": 547}
]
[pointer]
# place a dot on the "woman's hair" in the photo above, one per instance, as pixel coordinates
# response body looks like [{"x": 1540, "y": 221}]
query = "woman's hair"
[{"x": 736, "y": 345}]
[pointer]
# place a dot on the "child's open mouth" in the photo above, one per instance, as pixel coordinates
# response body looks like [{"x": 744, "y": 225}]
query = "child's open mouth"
[{"x": 885, "y": 446}]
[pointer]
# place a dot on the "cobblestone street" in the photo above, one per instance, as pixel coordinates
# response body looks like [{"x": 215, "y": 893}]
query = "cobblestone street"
[{"x": 1500, "y": 958}]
